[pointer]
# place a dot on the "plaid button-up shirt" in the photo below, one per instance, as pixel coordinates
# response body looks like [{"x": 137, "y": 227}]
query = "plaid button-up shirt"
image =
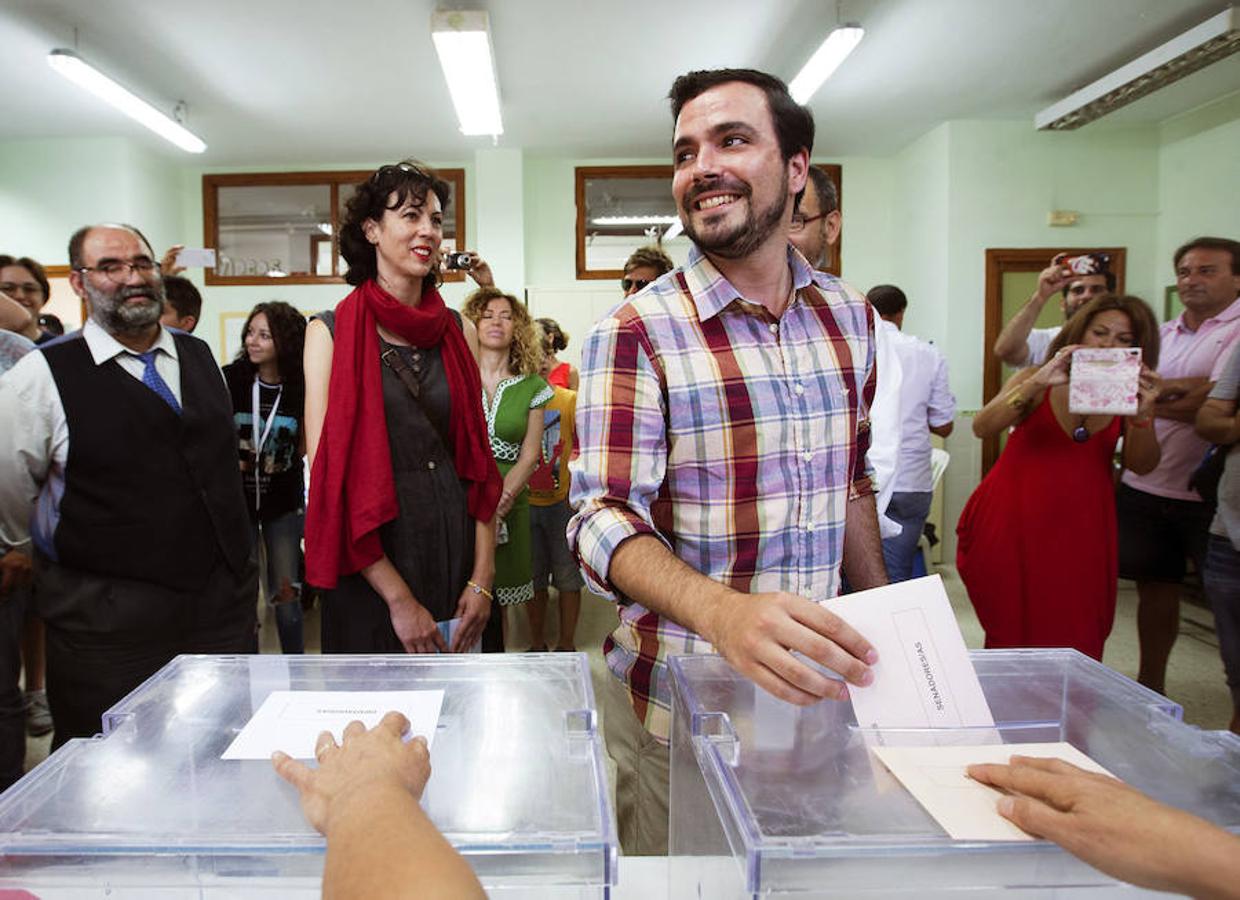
[{"x": 734, "y": 437}]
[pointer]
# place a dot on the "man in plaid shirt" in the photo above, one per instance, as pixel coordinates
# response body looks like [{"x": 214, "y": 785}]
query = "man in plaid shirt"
[{"x": 723, "y": 423}]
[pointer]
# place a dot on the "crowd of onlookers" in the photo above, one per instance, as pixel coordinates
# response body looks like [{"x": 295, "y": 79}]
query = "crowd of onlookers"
[{"x": 746, "y": 434}]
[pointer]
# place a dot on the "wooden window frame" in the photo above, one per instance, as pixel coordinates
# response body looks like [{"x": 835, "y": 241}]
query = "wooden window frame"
[
  {"x": 834, "y": 171},
  {"x": 1021, "y": 259},
  {"x": 333, "y": 180},
  {"x": 582, "y": 174}
]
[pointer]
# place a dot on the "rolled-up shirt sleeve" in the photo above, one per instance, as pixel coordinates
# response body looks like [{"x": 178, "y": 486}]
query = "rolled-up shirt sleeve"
[
  {"x": 942, "y": 406},
  {"x": 622, "y": 448},
  {"x": 33, "y": 436}
]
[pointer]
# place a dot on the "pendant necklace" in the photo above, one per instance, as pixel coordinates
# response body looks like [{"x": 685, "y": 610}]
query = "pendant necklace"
[{"x": 1080, "y": 434}]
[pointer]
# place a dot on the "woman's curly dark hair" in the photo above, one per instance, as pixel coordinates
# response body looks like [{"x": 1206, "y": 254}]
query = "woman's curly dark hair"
[
  {"x": 288, "y": 333},
  {"x": 555, "y": 338},
  {"x": 388, "y": 188}
]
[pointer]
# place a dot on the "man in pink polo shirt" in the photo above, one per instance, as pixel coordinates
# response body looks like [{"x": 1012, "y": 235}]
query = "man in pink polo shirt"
[{"x": 1161, "y": 519}]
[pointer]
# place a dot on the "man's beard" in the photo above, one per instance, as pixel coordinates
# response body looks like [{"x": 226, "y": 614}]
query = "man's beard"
[
  {"x": 750, "y": 234},
  {"x": 115, "y": 316}
]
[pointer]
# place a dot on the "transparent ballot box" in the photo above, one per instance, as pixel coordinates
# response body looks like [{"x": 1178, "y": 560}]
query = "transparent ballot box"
[
  {"x": 773, "y": 800},
  {"x": 149, "y": 809}
]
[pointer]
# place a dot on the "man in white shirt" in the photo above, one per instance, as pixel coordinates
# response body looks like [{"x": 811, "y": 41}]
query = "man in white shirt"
[
  {"x": 926, "y": 405},
  {"x": 118, "y": 470},
  {"x": 1019, "y": 343}
]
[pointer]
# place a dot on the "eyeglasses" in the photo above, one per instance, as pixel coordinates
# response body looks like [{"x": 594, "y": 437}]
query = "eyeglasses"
[
  {"x": 799, "y": 221},
  {"x": 633, "y": 284},
  {"x": 29, "y": 288},
  {"x": 118, "y": 271}
]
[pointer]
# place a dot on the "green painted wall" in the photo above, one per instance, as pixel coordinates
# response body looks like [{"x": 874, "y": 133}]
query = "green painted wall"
[
  {"x": 1198, "y": 178},
  {"x": 50, "y": 188}
]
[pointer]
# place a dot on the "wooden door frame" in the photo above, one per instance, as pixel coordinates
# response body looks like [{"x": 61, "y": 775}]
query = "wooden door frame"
[{"x": 1000, "y": 261}]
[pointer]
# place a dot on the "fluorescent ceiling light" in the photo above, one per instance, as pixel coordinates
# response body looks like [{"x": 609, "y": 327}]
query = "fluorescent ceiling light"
[
  {"x": 834, "y": 50},
  {"x": 1212, "y": 40},
  {"x": 634, "y": 220},
  {"x": 463, "y": 42},
  {"x": 84, "y": 75}
]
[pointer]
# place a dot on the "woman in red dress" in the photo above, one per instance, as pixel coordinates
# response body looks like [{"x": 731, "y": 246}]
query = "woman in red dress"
[{"x": 1037, "y": 540}]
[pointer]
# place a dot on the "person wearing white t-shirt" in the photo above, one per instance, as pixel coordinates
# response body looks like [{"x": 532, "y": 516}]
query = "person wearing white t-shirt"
[
  {"x": 1020, "y": 344},
  {"x": 927, "y": 406}
]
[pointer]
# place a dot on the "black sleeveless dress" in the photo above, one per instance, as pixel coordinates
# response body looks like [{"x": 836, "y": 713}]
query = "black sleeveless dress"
[{"x": 431, "y": 541}]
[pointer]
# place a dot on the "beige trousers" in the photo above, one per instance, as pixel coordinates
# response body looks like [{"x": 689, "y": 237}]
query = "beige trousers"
[{"x": 642, "y": 768}]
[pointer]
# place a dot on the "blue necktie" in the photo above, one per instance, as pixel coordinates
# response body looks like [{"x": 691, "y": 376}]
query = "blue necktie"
[{"x": 152, "y": 379}]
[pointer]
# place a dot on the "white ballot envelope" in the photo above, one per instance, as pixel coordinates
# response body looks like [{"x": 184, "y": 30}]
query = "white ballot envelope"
[
  {"x": 292, "y": 720},
  {"x": 448, "y": 629},
  {"x": 965, "y": 808},
  {"x": 194, "y": 257},
  {"x": 1104, "y": 381},
  {"x": 924, "y": 677}
]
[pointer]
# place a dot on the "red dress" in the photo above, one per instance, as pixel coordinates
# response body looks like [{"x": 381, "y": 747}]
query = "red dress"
[
  {"x": 1037, "y": 545},
  {"x": 558, "y": 376}
]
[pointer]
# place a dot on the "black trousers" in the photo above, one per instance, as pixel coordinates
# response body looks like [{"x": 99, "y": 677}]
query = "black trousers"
[{"x": 105, "y": 636}]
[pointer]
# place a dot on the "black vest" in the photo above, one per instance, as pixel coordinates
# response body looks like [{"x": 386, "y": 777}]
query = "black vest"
[{"x": 149, "y": 495}]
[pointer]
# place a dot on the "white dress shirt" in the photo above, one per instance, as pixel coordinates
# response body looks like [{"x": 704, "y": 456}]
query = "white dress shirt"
[
  {"x": 34, "y": 436},
  {"x": 885, "y": 419},
  {"x": 926, "y": 400}
]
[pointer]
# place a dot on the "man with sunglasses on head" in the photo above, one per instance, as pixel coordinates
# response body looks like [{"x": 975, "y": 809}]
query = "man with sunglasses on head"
[
  {"x": 723, "y": 422},
  {"x": 647, "y": 264},
  {"x": 119, "y": 468}
]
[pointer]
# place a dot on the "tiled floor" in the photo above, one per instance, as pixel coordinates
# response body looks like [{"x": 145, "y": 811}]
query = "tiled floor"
[{"x": 1195, "y": 677}]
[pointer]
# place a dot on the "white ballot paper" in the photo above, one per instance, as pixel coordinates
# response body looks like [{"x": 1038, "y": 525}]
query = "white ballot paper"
[
  {"x": 292, "y": 720},
  {"x": 965, "y": 808},
  {"x": 194, "y": 257},
  {"x": 923, "y": 677}
]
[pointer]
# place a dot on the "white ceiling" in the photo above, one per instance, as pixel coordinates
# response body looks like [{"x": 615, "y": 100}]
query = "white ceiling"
[{"x": 316, "y": 81}]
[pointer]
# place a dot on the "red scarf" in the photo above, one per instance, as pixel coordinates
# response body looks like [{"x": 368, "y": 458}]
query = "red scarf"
[{"x": 352, "y": 490}]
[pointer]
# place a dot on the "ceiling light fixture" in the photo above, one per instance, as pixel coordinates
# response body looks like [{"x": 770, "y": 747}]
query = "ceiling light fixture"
[
  {"x": 86, "y": 76},
  {"x": 826, "y": 59},
  {"x": 463, "y": 43},
  {"x": 1212, "y": 40}
]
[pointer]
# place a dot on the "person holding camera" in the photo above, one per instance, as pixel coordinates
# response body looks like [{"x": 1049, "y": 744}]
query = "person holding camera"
[
  {"x": 403, "y": 487},
  {"x": 1079, "y": 279},
  {"x": 1037, "y": 540}
]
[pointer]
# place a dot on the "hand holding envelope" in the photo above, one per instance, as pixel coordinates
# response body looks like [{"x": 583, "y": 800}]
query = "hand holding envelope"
[{"x": 758, "y": 634}]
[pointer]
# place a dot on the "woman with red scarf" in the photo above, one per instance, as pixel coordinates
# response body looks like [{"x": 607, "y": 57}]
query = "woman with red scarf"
[{"x": 403, "y": 487}]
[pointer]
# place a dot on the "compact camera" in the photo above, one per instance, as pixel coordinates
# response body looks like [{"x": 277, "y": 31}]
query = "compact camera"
[
  {"x": 1088, "y": 264},
  {"x": 458, "y": 260}
]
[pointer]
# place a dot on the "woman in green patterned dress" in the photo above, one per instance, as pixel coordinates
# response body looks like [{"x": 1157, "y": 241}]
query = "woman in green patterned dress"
[{"x": 513, "y": 396}]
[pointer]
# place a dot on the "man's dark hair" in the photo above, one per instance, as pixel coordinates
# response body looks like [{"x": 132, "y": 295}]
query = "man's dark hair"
[
  {"x": 36, "y": 270},
  {"x": 888, "y": 299},
  {"x": 402, "y": 181},
  {"x": 79, "y": 238},
  {"x": 828, "y": 196},
  {"x": 649, "y": 257},
  {"x": 1212, "y": 243},
  {"x": 794, "y": 123},
  {"x": 51, "y": 324},
  {"x": 183, "y": 296}
]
